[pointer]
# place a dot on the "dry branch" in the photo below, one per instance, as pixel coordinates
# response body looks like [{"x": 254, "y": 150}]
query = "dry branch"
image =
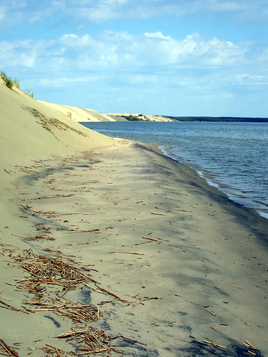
[
  {"x": 12, "y": 307},
  {"x": 212, "y": 313},
  {"x": 7, "y": 349},
  {"x": 248, "y": 343},
  {"x": 215, "y": 345}
]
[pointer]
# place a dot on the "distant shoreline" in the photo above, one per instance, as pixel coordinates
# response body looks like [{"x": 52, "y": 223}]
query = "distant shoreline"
[
  {"x": 167, "y": 118},
  {"x": 221, "y": 119}
]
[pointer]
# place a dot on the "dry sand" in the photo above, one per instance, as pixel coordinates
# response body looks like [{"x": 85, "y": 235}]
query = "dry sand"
[{"x": 189, "y": 264}]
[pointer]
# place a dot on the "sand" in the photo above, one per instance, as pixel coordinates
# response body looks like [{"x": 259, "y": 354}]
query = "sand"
[{"x": 189, "y": 264}]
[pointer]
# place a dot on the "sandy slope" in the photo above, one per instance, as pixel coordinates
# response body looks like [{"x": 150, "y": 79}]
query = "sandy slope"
[
  {"x": 79, "y": 114},
  {"x": 30, "y": 129}
]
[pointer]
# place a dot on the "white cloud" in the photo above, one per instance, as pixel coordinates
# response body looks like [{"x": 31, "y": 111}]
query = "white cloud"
[
  {"x": 157, "y": 35},
  {"x": 120, "y": 62},
  {"x": 12, "y": 12},
  {"x": 121, "y": 50}
]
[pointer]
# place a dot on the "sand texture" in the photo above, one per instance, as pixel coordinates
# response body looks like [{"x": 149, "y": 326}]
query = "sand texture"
[
  {"x": 122, "y": 248},
  {"x": 80, "y": 114}
]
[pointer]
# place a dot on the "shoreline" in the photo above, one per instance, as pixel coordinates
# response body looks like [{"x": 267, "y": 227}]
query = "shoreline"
[
  {"x": 247, "y": 191},
  {"x": 201, "y": 172},
  {"x": 190, "y": 262}
]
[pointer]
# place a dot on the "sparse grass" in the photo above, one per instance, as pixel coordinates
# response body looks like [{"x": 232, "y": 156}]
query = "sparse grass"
[
  {"x": 3, "y": 75},
  {"x": 10, "y": 83},
  {"x": 30, "y": 94},
  {"x": 16, "y": 83},
  {"x": 69, "y": 114},
  {"x": 7, "y": 80}
]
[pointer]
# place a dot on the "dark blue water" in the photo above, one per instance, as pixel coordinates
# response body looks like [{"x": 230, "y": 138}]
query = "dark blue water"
[{"x": 231, "y": 156}]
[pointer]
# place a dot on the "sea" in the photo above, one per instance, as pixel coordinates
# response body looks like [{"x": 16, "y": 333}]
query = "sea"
[{"x": 231, "y": 156}]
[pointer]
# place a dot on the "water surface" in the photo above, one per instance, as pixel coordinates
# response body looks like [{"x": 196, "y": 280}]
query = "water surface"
[{"x": 231, "y": 156}]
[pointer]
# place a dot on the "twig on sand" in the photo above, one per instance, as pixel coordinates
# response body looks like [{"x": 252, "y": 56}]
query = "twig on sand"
[
  {"x": 134, "y": 253},
  {"x": 128, "y": 339},
  {"x": 235, "y": 286},
  {"x": 95, "y": 339},
  {"x": 250, "y": 345},
  {"x": 152, "y": 239},
  {"x": 6, "y": 349},
  {"x": 215, "y": 345},
  {"x": 81, "y": 230},
  {"x": 212, "y": 313},
  {"x": 12, "y": 307}
]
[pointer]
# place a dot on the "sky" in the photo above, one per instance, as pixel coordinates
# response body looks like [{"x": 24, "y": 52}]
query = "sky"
[{"x": 162, "y": 57}]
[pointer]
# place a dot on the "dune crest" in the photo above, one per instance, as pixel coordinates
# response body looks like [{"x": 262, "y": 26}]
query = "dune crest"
[{"x": 31, "y": 129}]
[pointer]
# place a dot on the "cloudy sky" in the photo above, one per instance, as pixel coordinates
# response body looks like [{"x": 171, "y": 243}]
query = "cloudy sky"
[{"x": 171, "y": 57}]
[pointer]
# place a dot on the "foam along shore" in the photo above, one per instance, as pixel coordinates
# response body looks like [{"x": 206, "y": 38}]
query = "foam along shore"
[{"x": 168, "y": 264}]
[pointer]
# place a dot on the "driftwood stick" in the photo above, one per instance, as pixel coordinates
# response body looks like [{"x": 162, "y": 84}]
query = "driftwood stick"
[
  {"x": 71, "y": 333},
  {"x": 12, "y": 307},
  {"x": 152, "y": 239},
  {"x": 14, "y": 353},
  {"x": 212, "y": 313},
  {"x": 114, "y": 295},
  {"x": 134, "y": 253},
  {"x": 91, "y": 287},
  {"x": 57, "y": 349},
  {"x": 117, "y": 351},
  {"x": 128, "y": 339},
  {"x": 91, "y": 352},
  {"x": 215, "y": 345},
  {"x": 248, "y": 343}
]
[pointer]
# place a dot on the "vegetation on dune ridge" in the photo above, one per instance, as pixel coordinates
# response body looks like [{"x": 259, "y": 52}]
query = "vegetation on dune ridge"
[{"x": 10, "y": 83}]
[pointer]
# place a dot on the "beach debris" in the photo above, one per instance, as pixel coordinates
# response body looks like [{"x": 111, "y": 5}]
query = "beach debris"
[
  {"x": 134, "y": 253},
  {"x": 235, "y": 286},
  {"x": 249, "y": 345},
  {"x": 46, "y": 273},
  {"x": 215, "y": 345},
  {"x": 81, "y": 230},
  {"x": 6, "y": 350},
  {"x": 128, "y": 339},
  {"x": 12, "y": 307},
  {"x": 105, "y": 291},
  {"x": 91, "y": 340},
  {"x": 212, "y": 313},
  {"x": 78, "y": 312},
  {"x": 151, "y": 239},
  {"x": 157, "y": 240}
]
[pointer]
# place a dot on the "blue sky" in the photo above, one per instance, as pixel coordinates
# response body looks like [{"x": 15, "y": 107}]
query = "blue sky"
[{"x": 169, "y": 57}]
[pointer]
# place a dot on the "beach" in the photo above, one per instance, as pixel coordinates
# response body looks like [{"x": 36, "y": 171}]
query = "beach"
[{"x": 167, "y": 265}]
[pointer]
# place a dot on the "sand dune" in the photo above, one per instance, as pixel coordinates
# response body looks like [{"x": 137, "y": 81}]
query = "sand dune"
[
  {"x": 31, "y": 129},
  {"x": 79, "y": 114}
]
